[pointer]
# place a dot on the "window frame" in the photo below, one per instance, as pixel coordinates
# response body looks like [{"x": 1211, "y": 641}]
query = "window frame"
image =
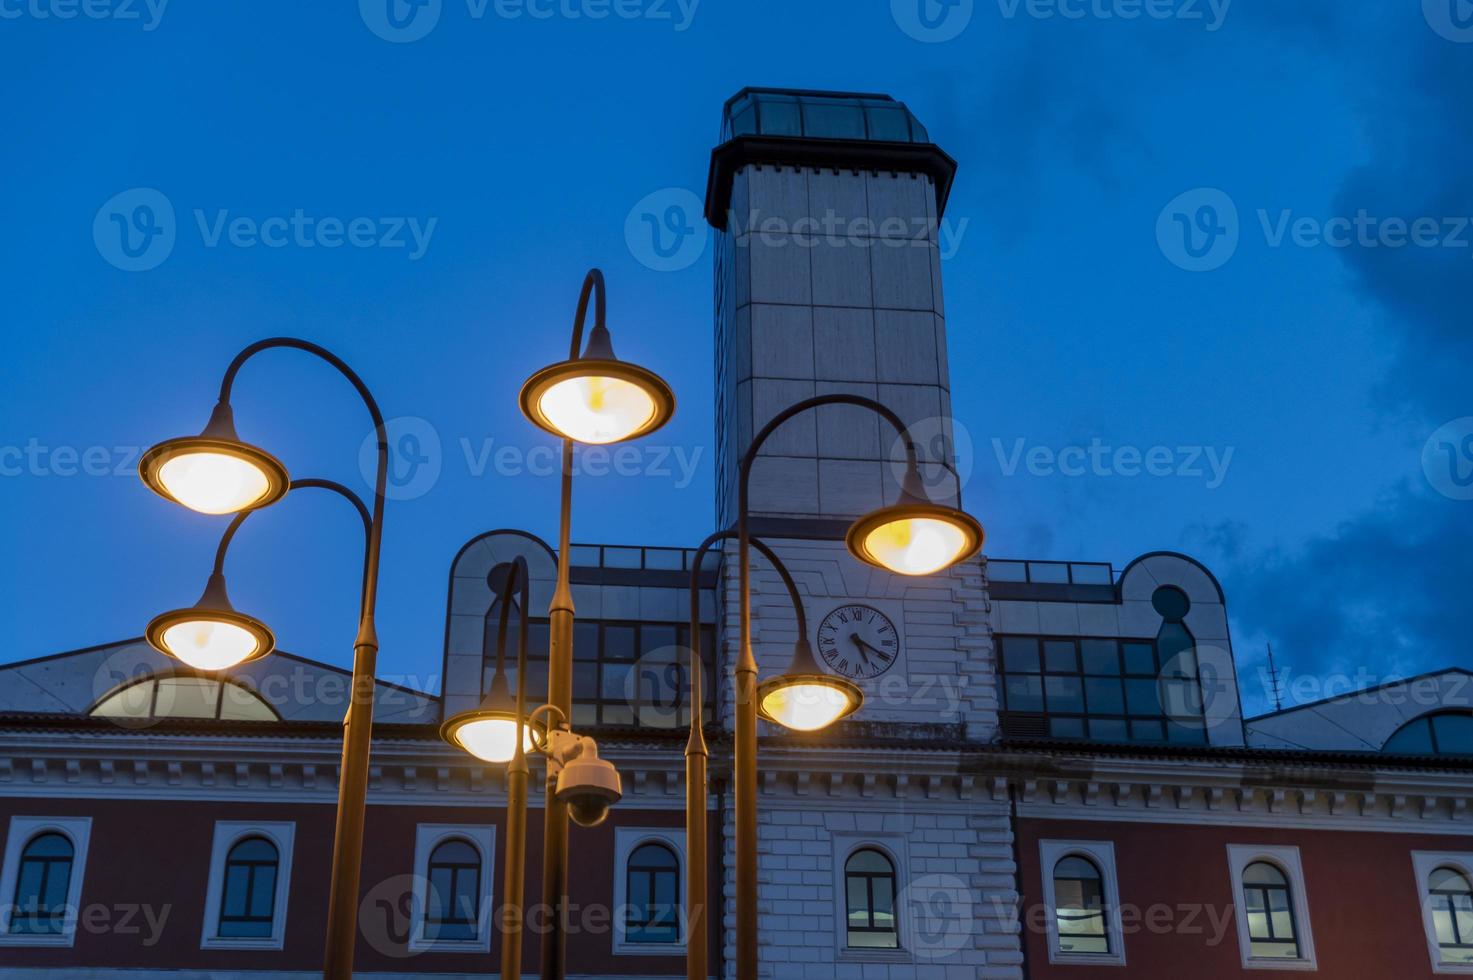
[
  {"x": 1286, "y": 860},
  {"x": 869, "y": 878},
  {"x": 23, "y": 830},
  {"x": 1423, "y": 864},
  {"x": 627, "y": 840},
  {"x": 427, "y": 837},
  {"x": 1100, "y": 853},
  {"x": 228, "y": 833},
  {"x": 896, "y": 848}
]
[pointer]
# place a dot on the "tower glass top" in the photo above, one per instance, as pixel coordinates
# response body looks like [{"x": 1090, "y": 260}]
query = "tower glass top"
[{"x": 799, "y": 114}]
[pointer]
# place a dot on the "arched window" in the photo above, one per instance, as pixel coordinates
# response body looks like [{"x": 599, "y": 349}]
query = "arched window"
[
  {"x": 41, "y": 885},
  {"x": 869, "y": 888},
  {"x": 453, "y": 910},
  {"x": 1079, "y": 906},
  {"x": 1439, "y": 733},
  {"x": 652, "y": 891},
  {"x": 1272, "y": 933},
  {"x": 248, "y": 903},
  {"x": 1451, "y": 895},
  {"x": 184, "y": 696}
]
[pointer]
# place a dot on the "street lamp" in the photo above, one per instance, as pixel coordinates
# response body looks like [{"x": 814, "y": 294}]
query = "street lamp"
[
  {"x": 217, "y": 473},
  {"x": 912, "y": 537},
  {"x": 592, "y": 397},
  {"x": 577, "y": 777},
  {"x": 696, "y": 752}
]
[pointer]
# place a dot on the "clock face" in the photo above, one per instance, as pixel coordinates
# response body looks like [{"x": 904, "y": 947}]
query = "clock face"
[{"x": 858, "y": 641}]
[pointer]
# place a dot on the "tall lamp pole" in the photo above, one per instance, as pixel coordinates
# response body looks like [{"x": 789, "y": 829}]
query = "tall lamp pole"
[
  {"x": 595, "y": 398},
  {"x": 697, "y": 952},
  {"x": 217, "y": 473},
  {"x": 912, "y": 537}
]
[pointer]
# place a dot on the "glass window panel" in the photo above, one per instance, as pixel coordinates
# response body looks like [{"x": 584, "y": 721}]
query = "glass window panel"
[
  {"x": 858, "y": 890},
  {"x": 1448, "y": 879},
  {"x": 1091, "y": 574},
  {"x": 1059, "y": 656},
  {"x": 1104, "y": 696},
  {"x": 1020, "y": 654},
  {"x": 1261, "y": 873},
  {"x": 239, "y": 704},
  {"x": 779, "y": 117},
  {"x": 587, "y": 714},
  {"x": 1007, "y": 571},
  {"x": 1142, "y": 697},
  {"x": 653, "y": 638},
  {"x": 1140, "y": 658},
  {"x": 584, "y": 555},
  {"x": 49, "y": 845},
  {"x": 888, "y": 124},
  {"x": 1185, "y": 734},
  {"x": 1270, "y": 949},
  {"x": 1107, "y": 730},
  {"x": 1066, "y": 727},
  {"x": 832, "y": 120},
  {"x": 619, "y": 643},
  {"x": 1147, "y": 731},
  {"x": 134, "y": 701},
  {"x": 1053, "y": 573},
  {"x": 744, "y": 121},
  {"x": 869, "y": 862},
  {"x": 616, "y": 682},
  {"x": 186, "y": 697},
  {"x": 263, "y": 891},
  {"x": 236, "y": 878},
  {"x": 612, "y": 714},
  {"x": 585, "y": 681},
  {"x": 1024, "y": 692},
  {"x": 1100, "y": 656},
  {"x": 616, "y": 557},
  {"x": 1454, "y": 734},
  {"x": 1172, "y": 641},
  {"x": 1414, "y": 738},
  {"x": 667, "y": 558},
  {"x": 1065, "y": 694},
  {"x": 28, "y": 884},
  {"x": 585, "y": 642}
]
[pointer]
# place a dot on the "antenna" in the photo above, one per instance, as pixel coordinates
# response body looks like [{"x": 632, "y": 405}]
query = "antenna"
[{"x": 1275, "y": 690}]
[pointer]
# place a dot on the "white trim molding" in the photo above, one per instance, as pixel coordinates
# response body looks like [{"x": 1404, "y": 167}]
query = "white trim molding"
[
  {"x": 895, "y": 847},
  {"x": 1286, "y": 859},
  {"x": 626, "y": 839},
  {"x": 228, "y": 833},
  {"x": 1100, "y": 853},
  {"x": 23, "y": 830},
  {"x": 1423, "y": 864},
  {"x": 427, "y": 837}
]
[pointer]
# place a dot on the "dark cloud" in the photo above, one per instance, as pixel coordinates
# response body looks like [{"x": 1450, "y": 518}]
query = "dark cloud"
[{"x": 1386, "y": 591}]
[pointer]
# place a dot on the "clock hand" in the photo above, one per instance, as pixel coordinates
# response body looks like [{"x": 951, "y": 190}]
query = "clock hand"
[
  {"x": 865, "y": 643},
  {"x": 860, "y": 644}
]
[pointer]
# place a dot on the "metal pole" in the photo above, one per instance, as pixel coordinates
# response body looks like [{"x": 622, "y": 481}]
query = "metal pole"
[
  {"x": 516, "y": 807},
  {"x": 746, "y": 680}
]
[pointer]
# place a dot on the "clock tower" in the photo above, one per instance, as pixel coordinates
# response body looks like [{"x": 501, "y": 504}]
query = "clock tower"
[{"x": 828, "y": 279}]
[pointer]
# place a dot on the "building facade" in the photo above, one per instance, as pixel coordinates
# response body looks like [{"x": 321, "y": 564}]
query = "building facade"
[{"x": 1051, "y": 775}]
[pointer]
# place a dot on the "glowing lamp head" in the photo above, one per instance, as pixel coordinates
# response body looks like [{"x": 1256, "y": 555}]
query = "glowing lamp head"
[
  {"x": 490, "y": 736},
  {"x": 808, "y": 702},
  {"x": 915, "y": 538},
  {"x": 597, "y": 398},
  {"x": 214, "y": 472},
  {"x": 210, "y": 635}
]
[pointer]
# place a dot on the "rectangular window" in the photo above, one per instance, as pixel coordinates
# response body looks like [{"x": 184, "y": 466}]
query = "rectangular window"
[
  {"x": 1272, "y": 907},
  {"x": 1445, "y": 884},
  {"x": 245, "y": 898},
  {"x": 1083, "y": 902},
  {"x": 1104, "y": 689}
]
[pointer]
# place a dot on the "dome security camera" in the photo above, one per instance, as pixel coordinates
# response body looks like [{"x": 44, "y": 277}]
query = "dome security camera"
[{"x": 588, "y": 785}]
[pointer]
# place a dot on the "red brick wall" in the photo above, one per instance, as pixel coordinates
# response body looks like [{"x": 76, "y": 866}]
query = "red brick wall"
[
  {"x": 156, "y": 854},
  {"x": 1364, "y": 906}
]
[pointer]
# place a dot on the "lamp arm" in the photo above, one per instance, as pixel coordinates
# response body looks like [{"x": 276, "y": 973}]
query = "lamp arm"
[
  {"x": 305, "y": 484},
  {"x": 593, "y": 284},
  {"x": 837, "y": 398},
  {"x": 381, "y": 478}
]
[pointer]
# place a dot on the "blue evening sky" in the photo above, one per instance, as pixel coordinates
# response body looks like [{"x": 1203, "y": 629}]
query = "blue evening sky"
[{"x": 528, "y": 132}]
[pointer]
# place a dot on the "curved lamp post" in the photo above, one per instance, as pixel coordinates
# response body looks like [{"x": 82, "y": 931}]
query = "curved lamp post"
[
  {"x": 697, "y": 955},
  {"x": 216, "y": 472},
  {"x": 592, "y": 397},
  {"x": 913, "y": 536},
  {"x": 483, "y": 733}
]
